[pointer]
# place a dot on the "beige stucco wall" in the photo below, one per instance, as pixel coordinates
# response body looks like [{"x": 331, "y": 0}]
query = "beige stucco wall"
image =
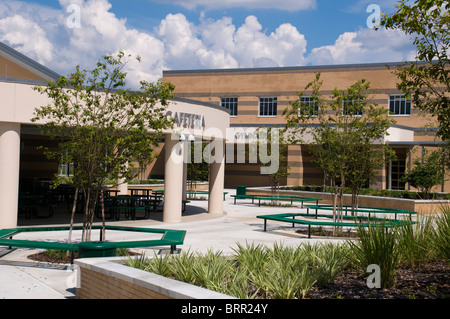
[{"x": 20, "y": 100}]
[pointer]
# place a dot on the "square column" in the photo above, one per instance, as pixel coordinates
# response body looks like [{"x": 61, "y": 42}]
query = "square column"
[
  {"x": 9, "y": 173},
  {"x": 173, "y": 179}
]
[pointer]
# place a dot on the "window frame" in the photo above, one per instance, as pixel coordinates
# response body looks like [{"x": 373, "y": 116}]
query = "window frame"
[
  {"x": 227, "y": 104},
  {"x": 360, "y": 113},
  {"x": 271, "y": 104},
  {"x": 402, "y": 98},
  {"x": 314, "y": 109}
]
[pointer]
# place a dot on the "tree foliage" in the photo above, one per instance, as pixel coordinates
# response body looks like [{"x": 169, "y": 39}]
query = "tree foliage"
[
  {"x": 274, "y": 143},
  {"x": 427, "y": 80},
  {"x": 427, "y": 174},
  {"x": 345, "y": 136},
  {"x": 102, "y": 126}
]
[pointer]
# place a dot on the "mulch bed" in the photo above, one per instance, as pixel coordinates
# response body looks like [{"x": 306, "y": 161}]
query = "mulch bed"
[
  {"x": 327, "y": 233},
  {"x": 431, "y": 281},
  {"x": 44, "y": 257},
  {"x": 428, "y": 282}
]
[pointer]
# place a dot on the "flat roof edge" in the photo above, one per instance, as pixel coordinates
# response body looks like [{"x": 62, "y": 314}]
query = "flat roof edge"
[
  {"x": 190, "y": 101},
  {"x": 293, "y": 68}
]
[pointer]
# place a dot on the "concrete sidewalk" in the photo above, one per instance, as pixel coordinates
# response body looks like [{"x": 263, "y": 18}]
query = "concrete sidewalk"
[{"x": 22, "y": 278}]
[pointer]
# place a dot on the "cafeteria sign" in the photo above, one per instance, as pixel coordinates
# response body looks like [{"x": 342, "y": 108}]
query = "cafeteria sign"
[{"x": 188, "y": 119}]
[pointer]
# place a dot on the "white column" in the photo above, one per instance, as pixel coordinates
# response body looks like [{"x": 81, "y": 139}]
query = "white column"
[
  {"x": 216, "y": 186},
  {"x": 173, "y": 180},
  {"x": 122, "y": 187},
  {"x": 9, "y": 173},
  {"x": 185, "y": 179}
]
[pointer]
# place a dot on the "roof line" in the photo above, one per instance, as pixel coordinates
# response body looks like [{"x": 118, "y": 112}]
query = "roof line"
[
  {"x": 51, "y": 75},
  {"x": 287, "y": 68},
  {"x": 190, "y": 101}
]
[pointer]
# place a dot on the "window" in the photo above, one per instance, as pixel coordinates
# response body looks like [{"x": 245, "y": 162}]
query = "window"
[
  {"x": 231, "y": 103},
  {"x": 399, "y": 105},
  {"x": 309, "y": 106},
  {"x": 352, "y": 107},
  {"x": 267, "y": 106},
  {"x": 397, "y": 170},
  {"x": 66, "y": 169}
]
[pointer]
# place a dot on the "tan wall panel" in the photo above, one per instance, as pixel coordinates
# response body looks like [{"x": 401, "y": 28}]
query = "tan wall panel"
[{"x": 9, "y": 69}]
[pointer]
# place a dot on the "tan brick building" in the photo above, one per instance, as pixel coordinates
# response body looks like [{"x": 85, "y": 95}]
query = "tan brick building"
[{"x": 257, "y": 97}]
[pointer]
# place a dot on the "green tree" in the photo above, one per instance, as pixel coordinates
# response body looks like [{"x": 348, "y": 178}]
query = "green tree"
[
  {"x": 343, "y": 136},
  {"x": 102, "y": 127},
  {"x": 427, "y": 174},
  {"x": 197, "y": 171},
  {"x": 428, "y": 79},
  {"x": 275, "y": 144}
]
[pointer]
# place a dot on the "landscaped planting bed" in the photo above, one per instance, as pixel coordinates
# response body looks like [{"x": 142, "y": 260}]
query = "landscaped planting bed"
[{"x": 413, "y": 260}]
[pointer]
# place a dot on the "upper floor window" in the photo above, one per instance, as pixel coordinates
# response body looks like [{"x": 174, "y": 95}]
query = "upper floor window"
[
  {"x": 268, "y": 106},
  {"x": 309, "y": 106},
  {"x": 352, "y": 107},
  {"x": 231, "y": 103},
  {"x": 399, "y": 104},
  {"x": 66, "y": 169}
]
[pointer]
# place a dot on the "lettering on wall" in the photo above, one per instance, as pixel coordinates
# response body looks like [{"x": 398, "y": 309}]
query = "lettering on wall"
[{"x": 188, "y": 120}]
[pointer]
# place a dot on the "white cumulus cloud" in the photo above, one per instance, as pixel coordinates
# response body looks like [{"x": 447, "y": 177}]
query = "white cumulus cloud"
[
  {"x": 365, "y": 45},
  {"x": 45, "y": 35}
]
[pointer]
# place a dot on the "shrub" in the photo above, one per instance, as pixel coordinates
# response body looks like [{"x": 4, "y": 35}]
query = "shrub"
[
  {"x": 377, "y": 245},
  {"x": 441, "y": 235},
  {"x": 415, "y": 242},
  {"x": 326, "y": 261}
]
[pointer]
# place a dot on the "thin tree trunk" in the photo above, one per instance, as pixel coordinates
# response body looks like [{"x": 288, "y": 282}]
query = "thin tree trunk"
[
  {"x": 103, "y": 216},
  {"x": 72, "y": 217},
  {"x": 86, "y": 231},
  {"x": 335, "y": 195},
  {"x": 93, "y": 205}
]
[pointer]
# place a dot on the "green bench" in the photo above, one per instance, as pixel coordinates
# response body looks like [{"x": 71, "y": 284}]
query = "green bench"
[
  {"x": 287, "y": 198},
  {"x": 170, "y": 238},
  {"x": 290, "y": 218},
  {"x": 203, "y": 193},
  {"x": 364, "y": 209},
  {"x": 130, "y": 205},
  {"x": 29, "y": 205},
  {"x": 161, "y": 191}
]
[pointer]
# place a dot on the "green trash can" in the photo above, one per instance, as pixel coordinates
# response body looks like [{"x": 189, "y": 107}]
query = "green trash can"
[
  {"x": 92, "y": 249},
  {"x": 241, "y": 190}
]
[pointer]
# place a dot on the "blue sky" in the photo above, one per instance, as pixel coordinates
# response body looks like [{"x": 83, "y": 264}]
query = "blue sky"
[{"x": 176, "y": 34}]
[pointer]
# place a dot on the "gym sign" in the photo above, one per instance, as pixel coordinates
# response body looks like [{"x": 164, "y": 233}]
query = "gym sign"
[{"x": 188, "y": 120}]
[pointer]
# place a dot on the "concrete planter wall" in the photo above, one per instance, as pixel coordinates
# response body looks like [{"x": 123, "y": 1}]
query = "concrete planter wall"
[
  {"x": 419, "y": 206},
  {"x": 108, "y": 278}
]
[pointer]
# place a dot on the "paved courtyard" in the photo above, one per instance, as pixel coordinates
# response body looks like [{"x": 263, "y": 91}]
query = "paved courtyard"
[{"x": 21, "y": 278}]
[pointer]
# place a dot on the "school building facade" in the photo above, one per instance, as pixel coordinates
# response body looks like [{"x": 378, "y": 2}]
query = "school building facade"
[{"x": 257, "y": 97}]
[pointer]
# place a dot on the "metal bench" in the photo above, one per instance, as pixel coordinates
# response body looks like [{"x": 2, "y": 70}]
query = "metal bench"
[
  {"x": 290, "y": 218},
  {"x": 287, "y": 198},
  {"x": 366, "y": 210},
  {"x": 100, "y": 248}
]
